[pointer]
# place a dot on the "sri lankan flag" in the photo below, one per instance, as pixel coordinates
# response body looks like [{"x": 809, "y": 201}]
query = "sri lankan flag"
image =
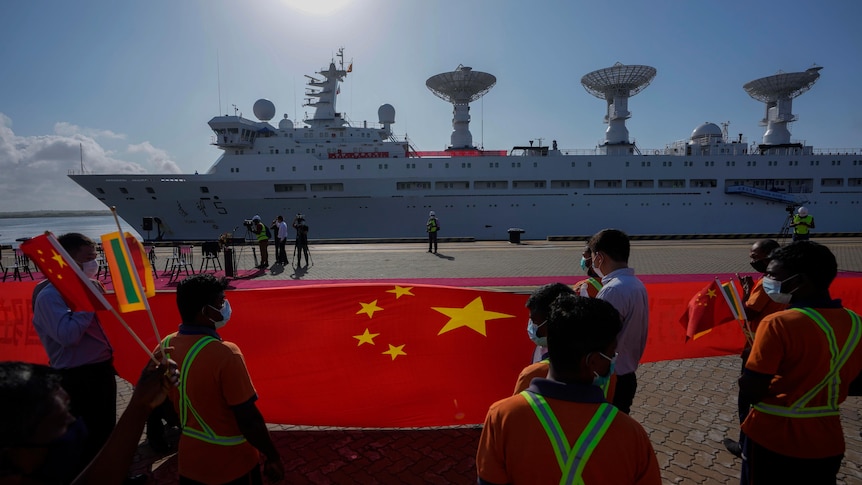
[{"x": 130, "y": 269}]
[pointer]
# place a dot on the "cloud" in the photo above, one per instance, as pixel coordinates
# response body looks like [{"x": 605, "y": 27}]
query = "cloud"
[
  {"x": 67, "y": 129},
  {"x": 35, "y": 168}
]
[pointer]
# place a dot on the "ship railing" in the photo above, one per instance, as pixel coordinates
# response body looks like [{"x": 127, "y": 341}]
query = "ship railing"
[{"x": 838, "y": 151}]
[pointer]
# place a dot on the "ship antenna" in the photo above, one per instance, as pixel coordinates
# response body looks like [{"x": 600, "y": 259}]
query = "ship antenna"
[
  {"x": 724, "y": 130},
  {"x": 81, "y": 146},
  {"x": 218, "y": 75}
]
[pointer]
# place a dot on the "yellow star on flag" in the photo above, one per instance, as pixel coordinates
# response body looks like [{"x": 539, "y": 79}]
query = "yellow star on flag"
[
  {"x": 710, "y": 293},
  {"x": 473, "y": 315},
  {"x": 400, "y": 291},
  {"x": 366, "y": 338},
  {"x": 369, "y": 308},
  {"x": 395, "y": 351}
]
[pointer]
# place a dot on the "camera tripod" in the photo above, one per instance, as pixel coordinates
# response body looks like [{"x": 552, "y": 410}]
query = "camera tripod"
[
  {"x": 296, "y": 252},
  {"x": 786, "y": 228}
]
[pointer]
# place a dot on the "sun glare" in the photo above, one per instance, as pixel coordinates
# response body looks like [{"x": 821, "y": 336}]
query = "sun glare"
[{"x": 317, "y": 7}]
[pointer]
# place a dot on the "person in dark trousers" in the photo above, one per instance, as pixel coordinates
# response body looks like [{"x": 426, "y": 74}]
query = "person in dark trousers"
[
  {"x": 757, "y": 305},
  {"x": 610, "y": 249},
  {"x": 280, "y": 232},
  {"x": 260, "y": 232},
  {"x": 432, "y": 227},
  {"x": 79, "y": 350},
  {"x": 801, "y": 365},
  {"x": 301, "y": 238},
  {"x": 223, "y": 429}
]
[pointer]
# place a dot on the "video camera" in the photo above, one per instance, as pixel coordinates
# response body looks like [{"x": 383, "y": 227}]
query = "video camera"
[
  {"x": 791, "y": 208},
  {"x": 248, "y": 223}
]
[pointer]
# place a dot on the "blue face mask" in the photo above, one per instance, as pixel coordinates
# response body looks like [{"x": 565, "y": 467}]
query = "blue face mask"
[
  {"x": 772, "y": 287},
  {"x": 532, "y": 328},
  {"x": 584, "y": 266},
  {"x": 602, "y": 381},
  {"x": 225, "y": 314}
]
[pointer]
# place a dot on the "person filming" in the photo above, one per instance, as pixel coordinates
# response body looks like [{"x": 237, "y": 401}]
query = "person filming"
[{"x": 301, "y": 238}]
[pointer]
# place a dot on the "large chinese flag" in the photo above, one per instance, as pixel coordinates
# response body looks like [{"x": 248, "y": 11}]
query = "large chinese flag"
[
  {"x": 706, "y": 310},
  {"x": 384, "y": 355},
  {"x": 63, "y": 272}
]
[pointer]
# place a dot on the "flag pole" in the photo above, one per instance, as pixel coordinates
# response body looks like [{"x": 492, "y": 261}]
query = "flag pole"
[
  {"x": 137, "y": 276},
  {"x": 747, "y": 329},
  {"x": 742, "y": 325},
  {"x": 77, "y": 270}
]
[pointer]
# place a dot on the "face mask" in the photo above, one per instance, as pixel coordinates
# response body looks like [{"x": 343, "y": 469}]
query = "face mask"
[
  {"x": 584, "y": 266},
  {"x": 225, "y": 315},
  {"x": 64, "y": 453},
  {"x": 596, "y": 267},
  {"x": 772, "y": 287},
  {"x": 532, "y": 328},
  {"x": 602, "y": 381},
  {"x": 90, "y": 268},
  {"x": 760, "y": 265}
]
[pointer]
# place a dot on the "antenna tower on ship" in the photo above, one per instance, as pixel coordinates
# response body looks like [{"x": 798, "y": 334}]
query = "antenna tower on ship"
[
  {"x": 616, "y": 84},
  {"x": 777, "y": 92},
  {"x": 461, "y": 87}
]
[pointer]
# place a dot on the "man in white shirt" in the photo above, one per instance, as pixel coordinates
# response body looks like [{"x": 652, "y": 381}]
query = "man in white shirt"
[{"x": 620, "y": 287}]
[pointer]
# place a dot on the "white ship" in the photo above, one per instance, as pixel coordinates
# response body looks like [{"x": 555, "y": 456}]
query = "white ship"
[{"x": 363, "y": 182}]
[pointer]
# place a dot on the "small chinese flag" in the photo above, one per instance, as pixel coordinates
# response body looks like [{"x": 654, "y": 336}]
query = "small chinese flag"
[
  {"x": 78, "y": 291},
  {"x": 123, "y": 266},
  {"x": 707, "y": 309}
]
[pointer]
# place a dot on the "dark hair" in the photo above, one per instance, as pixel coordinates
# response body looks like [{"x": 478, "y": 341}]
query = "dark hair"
[
  {"x": 543, "y": 296},
  {"x": 26, "y": 391},
  {"x": 195, "y": 292},
  {"x": 613, "y": 242},
  {"x": 813, "y": 260},
  {"x": 577, "y": 326},
  {"x": 73, "y": 241},
  {"x": 767, "y": 245}
]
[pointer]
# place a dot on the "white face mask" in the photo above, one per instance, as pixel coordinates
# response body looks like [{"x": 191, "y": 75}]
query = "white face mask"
[
  {"x": 596, "y": 266},
  {"x": 90, "y": 268},
  {"x": 225, "y": 314}
]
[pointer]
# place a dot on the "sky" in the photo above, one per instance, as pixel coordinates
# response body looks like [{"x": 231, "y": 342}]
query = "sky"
[{"x": 128, "y": 87}]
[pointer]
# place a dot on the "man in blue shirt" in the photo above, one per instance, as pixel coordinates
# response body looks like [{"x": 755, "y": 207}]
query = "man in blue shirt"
[
  {"x": 78, "y": 348},
  {"x": 622, "y": 289}
]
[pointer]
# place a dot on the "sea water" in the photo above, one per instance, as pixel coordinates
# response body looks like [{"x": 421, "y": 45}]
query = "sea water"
[{"x": 14, "y": 229}]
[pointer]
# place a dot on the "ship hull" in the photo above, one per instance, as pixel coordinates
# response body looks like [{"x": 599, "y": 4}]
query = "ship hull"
[{"x": 483, "y": 197}]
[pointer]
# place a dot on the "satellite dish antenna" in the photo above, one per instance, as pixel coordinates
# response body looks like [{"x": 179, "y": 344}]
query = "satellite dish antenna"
[
  {"x": 616, "y": 84},
  {"x": 777, "y": 92},
  {"x": 460, "y": 87}
]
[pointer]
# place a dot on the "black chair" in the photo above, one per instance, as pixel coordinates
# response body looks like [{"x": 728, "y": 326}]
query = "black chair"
[
  {"x": 182, "y": 260},
  {"x": 20, "y": 265},
  {"x": 210, "y": 252}
]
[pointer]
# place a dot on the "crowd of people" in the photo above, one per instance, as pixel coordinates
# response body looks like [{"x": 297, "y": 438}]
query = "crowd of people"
[{"x": 567, "y": 420}]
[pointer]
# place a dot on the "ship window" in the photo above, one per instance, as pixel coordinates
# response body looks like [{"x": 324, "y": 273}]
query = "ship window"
[
  {"x": 836, "y": 162},
  {"x": 671, "y": 184},
  {"x": 413, "y": 185},
  {"x": 570, "y": 184},
  {"x": 854, "y": 182},
  {"x": 607, "y": 184},
  {"x": 205, "y": 190},
  {"x": 645, "y": 164},
  {"x": 634, "y": 184},
  {"x": 124, "y": 190},
  {"x": 335, "y": 187},
  {"x": 100, "y": 190},
  {"x": 429, "y": 164},
  {"x": 289, "y": 187},
  {"x": 516, "y": 164},
  {"x": 589, "y": 164},
  {"x": 494, "y": 164},
  {"x": 150, "y": 190},
  {"x": 358, "y": 166},
  {"x": 465, "y": 164},
  {"x": 702, "y": 183},
  {"x": 573, "y": 164},
  {"x": 491, "y": 184},
  {"x": 528, "y": 184},
  {"x": 446, "y": 165},
  {"x": 342, "y": 167},
  {"x": 627, "y": 164},
  {"x": 535, "y": 164},
  {"x": 832, "y": 182},
  {"x": 452, "y": 185}
]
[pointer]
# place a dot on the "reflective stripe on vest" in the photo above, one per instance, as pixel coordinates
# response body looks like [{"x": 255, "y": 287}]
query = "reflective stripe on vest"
[
  {"x": 831, "y": 382},
  {"x": 571, "y": 460},
  {"x": 206, "y": 434},
  {"x": 595, "y": 283}
]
